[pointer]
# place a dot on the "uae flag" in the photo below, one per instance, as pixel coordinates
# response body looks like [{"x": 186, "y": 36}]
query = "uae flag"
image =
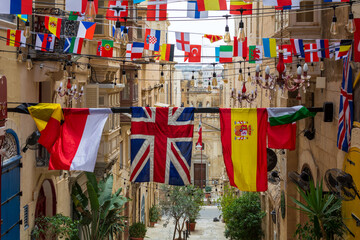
[{"x": 243, "y": 138}]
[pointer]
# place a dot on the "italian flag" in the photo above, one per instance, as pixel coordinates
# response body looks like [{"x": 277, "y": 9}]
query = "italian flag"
[
  {"x": 280, "y": 116},
  {"x": 226, "y": 54},
  {"x": 243, "y": 139}
]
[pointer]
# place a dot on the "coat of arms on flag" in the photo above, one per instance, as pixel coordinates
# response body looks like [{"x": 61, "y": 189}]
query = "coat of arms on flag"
[
  {"x": 152, "y": 39},
  {"x": 161, "y": 145}
]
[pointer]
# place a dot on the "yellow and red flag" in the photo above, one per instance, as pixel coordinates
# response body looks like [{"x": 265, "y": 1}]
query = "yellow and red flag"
[
  {"x": 53, "y": 24},
  {"x": 243, "y": 138},
  {"x": 235, "y": 5},
  {"x": 213, "y": 38},
  {"x": 47, "y": 117},
  {"x": 208, "y": 5}
]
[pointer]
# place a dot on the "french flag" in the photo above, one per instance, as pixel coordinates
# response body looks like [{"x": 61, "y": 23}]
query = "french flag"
[
  {"x": 137, "y": 50},
  {"x": 45, "y": 42},
  {"x": 297, "y": 47},
  {"x": 16, "y": 7},
  {"x": 77, "y": 146},
  {"x": 323, "y": 48}
]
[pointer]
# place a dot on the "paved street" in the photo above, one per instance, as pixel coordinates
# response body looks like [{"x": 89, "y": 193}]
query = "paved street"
[{"x": 206, "y": 229}]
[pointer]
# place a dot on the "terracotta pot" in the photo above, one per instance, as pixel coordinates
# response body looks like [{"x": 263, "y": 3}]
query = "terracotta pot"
[
  {"x": 207, "y": 195},
  {"x": 192, "y": 226},
  {"x": 152, "y": 224},
  {"x": 134, "y": 238}
]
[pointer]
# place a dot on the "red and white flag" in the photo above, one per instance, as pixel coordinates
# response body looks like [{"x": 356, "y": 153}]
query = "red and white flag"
[
  {"x": 240, "y": 48},
  {"x": 183, "y": 41},
  {"x": 199, "y": 144},
  {"x": 357, "y": 40},
  {"x": 77, "y": 145},
  {"x": 287, "y": 53},
  {"x": 186, "y": 56},
  {"x": 128, "y": 51},
  {"x": 156, "y": 10},
  {"x": 311, "y": 52},
  {"x": 195, "y": 53},
  {"x": 78, "y": 5},
  {"x": 117, "y": 10},
  {"x": 277, "y": 3}
]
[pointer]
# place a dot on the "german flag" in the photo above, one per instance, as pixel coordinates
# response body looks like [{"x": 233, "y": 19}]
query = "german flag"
[
  {"x": 167, "y": 52},
  {"x": 345, "y": 46}
]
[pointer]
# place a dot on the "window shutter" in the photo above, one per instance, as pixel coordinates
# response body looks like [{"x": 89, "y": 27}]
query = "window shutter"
[{"x": 92, "y": 96}]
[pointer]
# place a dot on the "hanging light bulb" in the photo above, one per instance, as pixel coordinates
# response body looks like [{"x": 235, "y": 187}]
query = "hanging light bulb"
[
  {"x": 249, "y": 77},
  {"x": 214, "y": 80},
  {"x": 117, "y": 34},
  {"x": 89, "y": 71},
  {"x": 227, "y": 37},
  {"x": 350, "y": 26},
  {"x": 240, "y": 78},
  {"x": 27, "y": 32},
  {"x": 90, "y": 11},
  {"x": 333, "y": 26},
  {"x": 136, "y": 80},
  {"x": 209, "y": 87},
  {"x": 322, "y": 65},
  {"x": 65, "y": 72},
  {"x": 29, "y": 63},
  {"x": 20, "y": 56},
  {"x": 162, "y": 88},
  {"x": 125, "y": 38},
  {"x": 123, "y": 77},
  {"x": 162, "y": 78},
  {"x": 241, "y": 32}
]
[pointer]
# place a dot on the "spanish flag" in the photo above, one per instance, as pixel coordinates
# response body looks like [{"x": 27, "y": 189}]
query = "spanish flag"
[
  {"x": 243, "y": 138},
  {"x": 208, "y": 5},
  {"x": 53, "y": 24},
  {"x": 47, "y": 117},
  {"x": 235, "y": 5}
]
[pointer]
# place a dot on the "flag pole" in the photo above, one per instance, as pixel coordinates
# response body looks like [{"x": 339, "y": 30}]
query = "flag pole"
[{"x": 201, "y": 162}]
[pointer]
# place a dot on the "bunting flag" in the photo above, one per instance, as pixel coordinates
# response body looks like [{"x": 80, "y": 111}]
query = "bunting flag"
[
  {"x": 226, "y": 54},
  {"x": 137, "y": 50},
  {"x": 287, "y": 53},
  {"x": 210, "y": 5},
  {"x": 73, "y": 45},
  {"x": 138, "y": 1},
  {"x": 345, "y": 46},
  {"x": 167, "y": 52},
  {"x": 23, "y": 17},
  {"x": 195, "y": 53},
  {"x": 156, "y": 10},
  {"x": 53, "y": 24},
  {"x": 47, "y": 117},
  {"x": 336, "y": 0},
  {"x": 161, "y": 145},
  {"x": 152, "y": 39},
  {"x": 346, "y": 108},
  {"x": 79, "y": 138},
  {"x": 240, "y": 48},
  {"x": 277, "y": 3},
  {"x": 79, "y": 5},
  {"x": 323, "y": 48},
  {"x": 213, "y": 38},
  {"x": 357, "y": 40},
  {"x": 16, "y": 7},
  {"x": 86, "y": 30},
  {"x": 311, "y": 53},
  {"x": 295, "y": 4},
  {"x": 297, "y": 47},
  {"x": 235, "y": 5},
  {"x": 186, "y": 56},
  {"x": 255, "y": 54},
  {"x": 45, "y": 42},
  {"x": 117, "y": 10},
  {"x": 217, "y": 54},
  {"x": 107, "y": 48},
  {"x": 76, "y": 16},
  {"x": 128, "y": 51},
  {"x": 182, "y": 41},
  {"x": 282, "y": 136},
  {"x": 269, "y": 45},
  {"x": 193, "y": 11},
  {"x": 243, "y": 139},
  {"x": 15, "y": 38},
  {"x": 157, "y": 55}
]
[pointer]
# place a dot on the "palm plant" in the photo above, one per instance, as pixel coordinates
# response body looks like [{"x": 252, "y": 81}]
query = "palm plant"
[
  {"x": 101, "y": 219},
  {"x": 322, "y": 210}
]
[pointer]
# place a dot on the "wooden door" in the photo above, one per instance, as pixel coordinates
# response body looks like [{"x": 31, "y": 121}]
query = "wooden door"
[{"x": 200, "y": 174}]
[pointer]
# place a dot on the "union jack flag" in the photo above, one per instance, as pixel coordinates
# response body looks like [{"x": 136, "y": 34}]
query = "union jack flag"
[
  {"x": 346, "y": 106},
  {"x": 161, "y": 145}
]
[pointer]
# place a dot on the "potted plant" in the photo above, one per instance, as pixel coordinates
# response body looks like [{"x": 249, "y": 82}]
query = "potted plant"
[
  {"x": 207, "y": 191},
  {"x": 137, "y": 231},
  {"x": 154, "y": 214}
]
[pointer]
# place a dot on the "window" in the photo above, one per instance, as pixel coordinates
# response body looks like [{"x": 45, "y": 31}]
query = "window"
[
  {"x": 8, "y": 17},
  {"x": 305, "y": 16},
  {"x": 99, "y": 27},
  {"x": 101, "y": 100},
  {"x": 125, "y": 94},
  {"x": 139, "y": 33}
]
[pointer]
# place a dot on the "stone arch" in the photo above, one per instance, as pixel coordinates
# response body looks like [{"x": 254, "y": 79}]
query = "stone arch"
[
  {"x": 46, "y": 199},
  {"x": 307, "y": 160}
]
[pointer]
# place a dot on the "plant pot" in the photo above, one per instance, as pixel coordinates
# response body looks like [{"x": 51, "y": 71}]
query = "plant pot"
[
  {"x": 192, "y": 226},
  {"x": 152, "y": 224},
  {"x": 207, "y": 195},
  {"x": 134, "y": 238}
]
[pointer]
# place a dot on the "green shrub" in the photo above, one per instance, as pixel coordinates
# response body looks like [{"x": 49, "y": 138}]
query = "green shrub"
[
  {"x": 137, "y": 230},
  {"x": 154, "y": 213},
  {"x": 243, "y": 218},
  {"x": 228, "y": 197},
  {"x": 208, "y": 189}
]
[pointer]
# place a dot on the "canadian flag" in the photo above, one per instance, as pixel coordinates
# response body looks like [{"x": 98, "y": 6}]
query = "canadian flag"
[
  {"x": 195, "y": 53},
  {"x": 311, "y": 52}
]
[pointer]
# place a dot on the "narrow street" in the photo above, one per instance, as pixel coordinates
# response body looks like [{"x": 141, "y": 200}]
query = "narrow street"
[{"x": 205, "y": 228}]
